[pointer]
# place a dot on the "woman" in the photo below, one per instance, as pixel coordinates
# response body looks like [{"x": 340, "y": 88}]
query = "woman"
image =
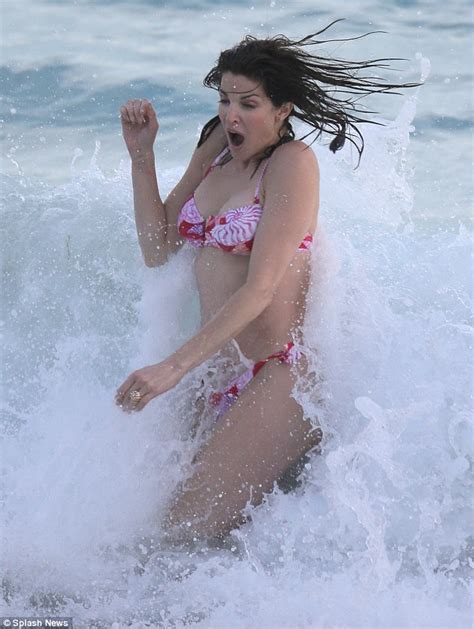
[{"x": 248, "y": 203}]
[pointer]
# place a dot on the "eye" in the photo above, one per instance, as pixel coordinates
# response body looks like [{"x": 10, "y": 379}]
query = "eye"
[
  {"x": 249, "y": 106},
  {"x": 224, "y": 101}
]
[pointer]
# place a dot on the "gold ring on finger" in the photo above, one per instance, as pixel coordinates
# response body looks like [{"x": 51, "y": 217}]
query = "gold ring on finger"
[{"x": 135, "y": 396}]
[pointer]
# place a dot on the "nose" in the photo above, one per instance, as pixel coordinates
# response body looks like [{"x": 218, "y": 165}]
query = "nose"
[{"x": 232, "y": 115}]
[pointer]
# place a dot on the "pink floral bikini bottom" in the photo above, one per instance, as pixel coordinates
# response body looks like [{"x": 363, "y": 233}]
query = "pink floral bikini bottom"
[{"x": 223, "y": 400}]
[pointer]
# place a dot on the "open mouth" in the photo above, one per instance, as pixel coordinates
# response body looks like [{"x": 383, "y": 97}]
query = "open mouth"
[{"x": 236, "y": 139}]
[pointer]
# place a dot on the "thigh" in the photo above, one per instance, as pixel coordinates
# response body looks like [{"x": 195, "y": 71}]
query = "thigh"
[{"x": 253, "y": 445}]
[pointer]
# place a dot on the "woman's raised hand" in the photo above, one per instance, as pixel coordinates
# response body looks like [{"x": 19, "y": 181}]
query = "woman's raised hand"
[{"x": 139, "y": 126}]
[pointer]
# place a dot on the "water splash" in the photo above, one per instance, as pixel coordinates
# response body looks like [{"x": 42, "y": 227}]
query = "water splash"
[{"x": 377, "y": 532}]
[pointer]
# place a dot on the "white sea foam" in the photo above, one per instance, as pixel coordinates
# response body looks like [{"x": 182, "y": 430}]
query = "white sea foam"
[{"x": 378, "y": 533}]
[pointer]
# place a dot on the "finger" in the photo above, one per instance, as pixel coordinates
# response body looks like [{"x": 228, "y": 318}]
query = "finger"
[
  {"x": 120, "y": 395},
  {"x": 142, "y": 112},
  {"x": 136, "y": 112},
  {"x": 124, "y": 388},
  {"x": 143, "y": 402},
  {"x": 143, "y": 391},
  {"x": 128, "y": 403},
  {"x": 148, "y": 110},
  {"x": 131, "y": 111},
  {"x": 124, "y": 114}
]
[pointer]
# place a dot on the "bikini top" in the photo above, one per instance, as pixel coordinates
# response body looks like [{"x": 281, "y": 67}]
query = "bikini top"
[{"x": 233, "y": 231}]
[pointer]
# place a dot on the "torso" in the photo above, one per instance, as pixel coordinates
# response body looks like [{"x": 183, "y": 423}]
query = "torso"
[{"x": 220, "y": 274}]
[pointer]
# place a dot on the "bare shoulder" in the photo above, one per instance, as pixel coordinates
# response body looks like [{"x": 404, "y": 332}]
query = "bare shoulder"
[
  {"x": 292, "y": 164},
  {"x": 292, "y": 179},
  {"x": 294, "y": 153}
]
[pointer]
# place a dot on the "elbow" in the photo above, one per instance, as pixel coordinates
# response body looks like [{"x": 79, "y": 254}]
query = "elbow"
[{"x": 150, "y": 264}]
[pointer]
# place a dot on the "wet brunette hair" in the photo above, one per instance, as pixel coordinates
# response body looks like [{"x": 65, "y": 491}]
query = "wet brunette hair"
[{"x": 325, "y": 91}]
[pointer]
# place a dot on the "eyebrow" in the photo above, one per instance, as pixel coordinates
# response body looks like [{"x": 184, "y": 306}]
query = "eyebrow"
[{"x": 242, "y": 97}]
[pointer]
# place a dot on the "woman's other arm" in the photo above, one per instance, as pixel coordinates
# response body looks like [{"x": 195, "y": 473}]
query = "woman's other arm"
[{"x": 156, "y": 220}]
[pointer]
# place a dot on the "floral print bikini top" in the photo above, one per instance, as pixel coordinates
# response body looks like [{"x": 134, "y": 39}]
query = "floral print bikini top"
[{"x": 233, "y": 231}]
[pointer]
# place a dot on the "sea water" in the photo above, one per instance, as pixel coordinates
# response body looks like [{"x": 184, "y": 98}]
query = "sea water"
[{"x": 379, "y": 531}]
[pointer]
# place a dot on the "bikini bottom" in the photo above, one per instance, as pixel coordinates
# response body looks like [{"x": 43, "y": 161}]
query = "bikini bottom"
[{"x": 223, "y": 400}]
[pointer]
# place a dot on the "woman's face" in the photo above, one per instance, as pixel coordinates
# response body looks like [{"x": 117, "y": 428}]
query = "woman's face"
[{"x": 249, "y": 118}]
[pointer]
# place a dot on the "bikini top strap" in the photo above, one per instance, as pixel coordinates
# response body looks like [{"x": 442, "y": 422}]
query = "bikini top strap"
[
  {"x": 259, "y": 183},
  {"x": 216, "y": 161},
  {"x": 222, "y": 153},
  {"x": 225, "y": 150}
]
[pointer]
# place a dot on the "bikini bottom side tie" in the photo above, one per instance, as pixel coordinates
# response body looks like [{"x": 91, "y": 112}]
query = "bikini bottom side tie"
[{"x": 223, "y": 400}]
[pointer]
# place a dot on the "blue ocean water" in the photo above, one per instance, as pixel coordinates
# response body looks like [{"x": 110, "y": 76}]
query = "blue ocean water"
[
  {"x": 69, "y": 67},
  {"x": 379, "y": 533}
]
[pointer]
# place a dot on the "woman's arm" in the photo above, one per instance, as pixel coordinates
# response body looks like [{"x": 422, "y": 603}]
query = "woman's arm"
[
  {"x": 139, "y": 129},
  {"x": 150, "y": 213},
  {"x": 245, "y": 305},
  {"x": 156, "y": 220},
  {"x": 291, "y": 200}
]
